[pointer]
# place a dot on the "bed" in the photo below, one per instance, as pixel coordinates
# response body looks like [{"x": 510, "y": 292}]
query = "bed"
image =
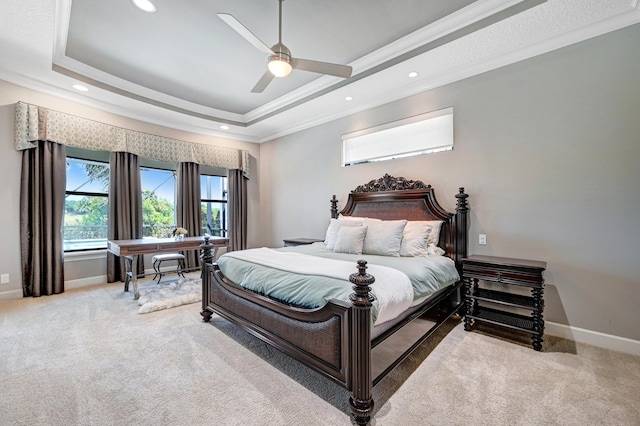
[{"x": 339, "y": 338}]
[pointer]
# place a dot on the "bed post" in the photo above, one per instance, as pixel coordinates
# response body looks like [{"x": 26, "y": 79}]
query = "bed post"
[
  {"x": 207, "y": 260},
  {"x": 334, "y": 207},
  {"x": 361, "y": 400},
  {"x": 462, "y": 231}
]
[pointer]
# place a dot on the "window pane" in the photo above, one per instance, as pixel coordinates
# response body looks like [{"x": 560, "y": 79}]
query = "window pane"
[
  {"x": 214, "y": 219},
  {"x": 158, "y": 202},
  {"x": 213, "y": 187},
  {"x": 87, "y": 176},
  {"x": 85, "y": 222}
]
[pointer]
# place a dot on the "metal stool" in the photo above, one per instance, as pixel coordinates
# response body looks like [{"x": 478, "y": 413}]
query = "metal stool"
[{"x": 159, "y": 258}]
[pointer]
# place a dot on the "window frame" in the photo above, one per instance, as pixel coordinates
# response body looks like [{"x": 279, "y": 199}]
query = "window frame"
[
  {"x": 422, "y": 134},
  {"x": 224, "y": 226},
  {"x": 77, "y": 157},
  {"x": 168, "y": 167}
]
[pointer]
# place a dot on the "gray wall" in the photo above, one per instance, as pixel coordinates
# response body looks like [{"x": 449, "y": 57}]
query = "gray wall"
[
  {"x": 90, "y": 270},
  {"x": 548, "y": 150}
]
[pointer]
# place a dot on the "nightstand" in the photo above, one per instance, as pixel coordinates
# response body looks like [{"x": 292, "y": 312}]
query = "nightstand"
[
  {"x": 515, "y": 272},
  {"x": 300, "y": 241}
]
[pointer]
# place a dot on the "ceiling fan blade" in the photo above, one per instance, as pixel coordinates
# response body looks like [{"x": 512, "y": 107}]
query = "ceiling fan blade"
[
  {"x": 263, "y": 82},
  {"x": 343, "y": 71},
  {"x": 244, "y": 32}
]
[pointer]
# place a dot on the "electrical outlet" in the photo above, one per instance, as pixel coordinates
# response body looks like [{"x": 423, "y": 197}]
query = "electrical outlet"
[
  {"x": 4, "y": 279},
  {"x": 482, "y": 239}
]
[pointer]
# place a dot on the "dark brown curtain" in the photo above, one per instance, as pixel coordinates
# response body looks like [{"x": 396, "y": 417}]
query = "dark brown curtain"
[
  {"x": 125, "y": 209},
  {"x": 42, "y": 193},
  {"x": 188, "y": 210},
  {"x": 237, "y": 210}
]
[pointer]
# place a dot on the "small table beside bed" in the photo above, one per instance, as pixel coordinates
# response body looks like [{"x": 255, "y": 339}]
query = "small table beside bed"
[{"x": 391, "y": 256}]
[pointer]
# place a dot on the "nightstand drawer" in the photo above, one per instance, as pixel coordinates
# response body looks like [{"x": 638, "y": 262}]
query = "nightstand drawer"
[{"x": 505, "y": 270}]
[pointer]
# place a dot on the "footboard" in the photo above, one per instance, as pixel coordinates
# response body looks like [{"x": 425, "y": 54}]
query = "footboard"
[{"x": 319, "y": 338}]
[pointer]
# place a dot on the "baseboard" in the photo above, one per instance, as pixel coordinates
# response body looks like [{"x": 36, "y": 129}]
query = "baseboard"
[
  {"x": 68, "y": 285},
  {"x": 11, "y": 294},
  {"x": 84, "y": 282},
  {"x": 594, "y": 338},
  {"x": 101, "y": 279}
]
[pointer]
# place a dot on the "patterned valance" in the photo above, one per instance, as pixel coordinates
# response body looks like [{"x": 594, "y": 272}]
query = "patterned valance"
[{"x": 37, "y": 123}]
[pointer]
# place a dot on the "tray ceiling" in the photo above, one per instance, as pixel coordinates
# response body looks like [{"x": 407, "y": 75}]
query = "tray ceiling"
[{"x": 183, "y": 67}]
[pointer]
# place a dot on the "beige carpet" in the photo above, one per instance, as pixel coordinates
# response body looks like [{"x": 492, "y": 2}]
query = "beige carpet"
[{"x": 88, "y": 358}]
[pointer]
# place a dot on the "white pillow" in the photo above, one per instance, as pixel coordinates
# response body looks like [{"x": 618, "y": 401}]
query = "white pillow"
[
  {"x": 415, "y": 239},
  {"x": 350, "y": 239},
  {"x": 383, "y": 237},
  {"x": 435, "y": 251},
  {"x": 334, "y": 227},
  {"x": 341, "y": 217},
  {"x": 434, "y": 237}
]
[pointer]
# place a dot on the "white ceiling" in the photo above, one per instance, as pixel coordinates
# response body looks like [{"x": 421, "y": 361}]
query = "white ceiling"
[{"x": 183, "y": 67}]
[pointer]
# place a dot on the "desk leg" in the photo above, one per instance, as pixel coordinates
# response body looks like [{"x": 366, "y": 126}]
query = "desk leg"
[
  {"x": 127, "y": 276},
  {"x": 131, "y": 263}
]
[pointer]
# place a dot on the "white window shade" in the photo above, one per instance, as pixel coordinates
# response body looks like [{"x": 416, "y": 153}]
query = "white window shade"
[{"x": 421, "y": 134}]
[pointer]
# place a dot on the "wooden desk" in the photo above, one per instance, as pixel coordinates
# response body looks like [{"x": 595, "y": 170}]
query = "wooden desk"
[{"x": 131, "y": 249}]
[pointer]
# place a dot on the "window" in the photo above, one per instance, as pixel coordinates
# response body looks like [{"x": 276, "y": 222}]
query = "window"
[
  {"x": 158, "y": 202},
  {"x": 213, "y": 198},
  {"x": 422, "y": 134},
  {"x": 87, "y": 195},
  {"x": 86, "y": 205}
]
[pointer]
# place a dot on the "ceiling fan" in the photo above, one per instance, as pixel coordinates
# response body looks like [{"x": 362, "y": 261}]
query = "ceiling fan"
[{"x": 280, "y": 61}]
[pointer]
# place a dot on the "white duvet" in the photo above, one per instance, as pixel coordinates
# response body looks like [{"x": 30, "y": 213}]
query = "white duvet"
[{"x": 392, "y": 288}]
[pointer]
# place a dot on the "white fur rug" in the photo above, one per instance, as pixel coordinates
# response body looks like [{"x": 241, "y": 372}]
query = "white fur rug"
[{"x": 169, "y": 294}]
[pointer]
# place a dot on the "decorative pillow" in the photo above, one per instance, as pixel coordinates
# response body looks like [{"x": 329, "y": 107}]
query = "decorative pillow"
[
  {"x": 415, "y": 239},
  {"x": 334, "y": 227},
  {"x": 383, "y": 237},
  {"x": 350, "y": 239}
]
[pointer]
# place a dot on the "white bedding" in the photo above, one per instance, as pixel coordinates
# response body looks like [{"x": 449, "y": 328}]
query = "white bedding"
[{"x": 393, "y": 289}]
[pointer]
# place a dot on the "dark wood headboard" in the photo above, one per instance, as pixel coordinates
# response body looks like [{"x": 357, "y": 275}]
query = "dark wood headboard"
[{"x": 395, "y": 198}]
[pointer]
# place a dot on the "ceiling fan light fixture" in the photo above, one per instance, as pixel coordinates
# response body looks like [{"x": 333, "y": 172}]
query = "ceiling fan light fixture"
[
  {"x": 279, "y": 67},
  {"x": 144, "y": 5}
]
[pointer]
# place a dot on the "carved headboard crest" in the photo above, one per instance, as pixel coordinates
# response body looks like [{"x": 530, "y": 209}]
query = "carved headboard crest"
[{"x": 390, "y": 183}]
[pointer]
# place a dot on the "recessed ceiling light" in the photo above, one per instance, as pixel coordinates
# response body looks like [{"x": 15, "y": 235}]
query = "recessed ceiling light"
[
  {"x": 348, "y": 98},
  {"x": 80, "y": 87},
  {"x": 144, "y": 5},
  {"x": 413, "y": 74},
  {"x": 223, "y": 127}
]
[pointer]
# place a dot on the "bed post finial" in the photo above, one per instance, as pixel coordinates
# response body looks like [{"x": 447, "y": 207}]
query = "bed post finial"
[
  {"x": 334, "y": 207},
  {"x": 361, "y": 400}
]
